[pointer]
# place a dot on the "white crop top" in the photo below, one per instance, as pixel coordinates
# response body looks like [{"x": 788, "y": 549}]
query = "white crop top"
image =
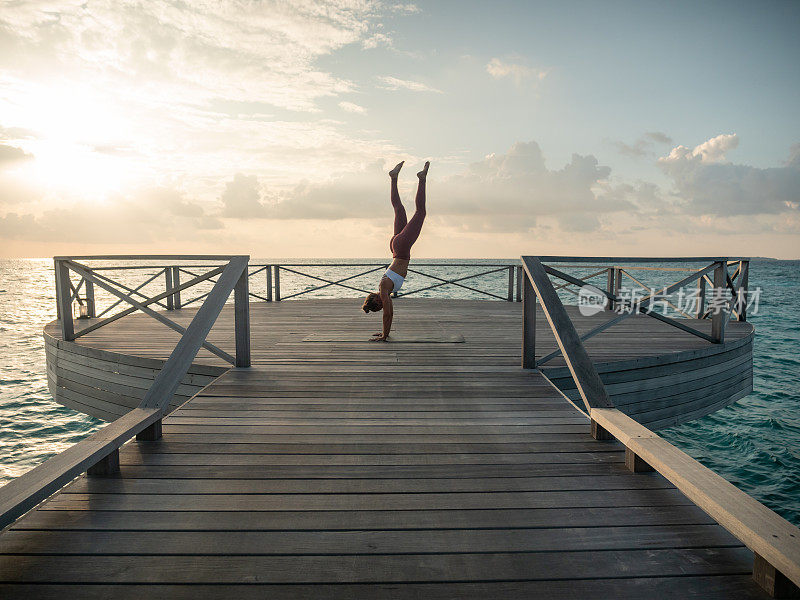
[{"x": 396, "y": 279}]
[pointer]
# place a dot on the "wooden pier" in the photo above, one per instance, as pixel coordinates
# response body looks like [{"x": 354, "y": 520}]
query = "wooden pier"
[{"x": 333, "y": 467}]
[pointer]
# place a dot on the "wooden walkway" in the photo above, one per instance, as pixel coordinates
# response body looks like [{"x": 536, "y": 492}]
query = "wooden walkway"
[{"x": 344, "y": 469}]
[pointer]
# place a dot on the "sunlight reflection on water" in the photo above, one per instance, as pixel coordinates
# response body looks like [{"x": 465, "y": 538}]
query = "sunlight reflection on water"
[{"x": 33, "y": 426}]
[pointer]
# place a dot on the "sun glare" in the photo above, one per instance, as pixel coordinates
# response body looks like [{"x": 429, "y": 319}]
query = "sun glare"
[{"x": 76, "y": 149}]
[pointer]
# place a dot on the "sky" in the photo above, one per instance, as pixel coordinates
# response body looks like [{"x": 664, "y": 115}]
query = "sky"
[{"x": 268, "y": 127}]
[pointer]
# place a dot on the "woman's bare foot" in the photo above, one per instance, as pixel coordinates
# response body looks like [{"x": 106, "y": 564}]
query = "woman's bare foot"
[
  {"x": 396, "y": 171},
  {"x": 424, "y": 173}
]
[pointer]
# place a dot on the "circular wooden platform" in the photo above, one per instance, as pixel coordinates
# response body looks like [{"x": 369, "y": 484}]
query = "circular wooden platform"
[{"x": 659, "y": 375}]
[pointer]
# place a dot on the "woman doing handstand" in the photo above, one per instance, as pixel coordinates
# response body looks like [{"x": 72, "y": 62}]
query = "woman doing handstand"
[{"x": 405, "y": 234}]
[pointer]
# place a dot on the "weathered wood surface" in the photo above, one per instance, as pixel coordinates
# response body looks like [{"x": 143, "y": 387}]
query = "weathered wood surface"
[{"x": 370, "y": 470}]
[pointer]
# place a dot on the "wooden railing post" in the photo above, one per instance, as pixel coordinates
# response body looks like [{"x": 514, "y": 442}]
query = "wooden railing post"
[
  {"x": 277, "y": 283},
  {"x": 241, "y": 312},
  {"x": 176, "y": 282},
  {"x": 775, "y": 583},
  {"x": 64, "y": 301},
  {"x": 719, "y": 315},
  {"x": 151, "y": 433},
  {"x": 741, "y": 296},
  {"x": 701, "y": 297},
  {"x": 528, "y": 324},
  {"x": 511, "y": 283},
  {"x": 269, "y": 282},
  {"x": 519, "y": 284},
  {"x": 610, "y": 279},
  {"x": 168, "y": 283},
  {"x": 106, "y": 466},
  {"x": 90, "y": 306}
]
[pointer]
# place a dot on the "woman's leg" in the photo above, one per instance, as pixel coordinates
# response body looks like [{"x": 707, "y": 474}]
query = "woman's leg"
[
  {"x": 400, "y": 218},
  {"x": 406, "y": 238}
]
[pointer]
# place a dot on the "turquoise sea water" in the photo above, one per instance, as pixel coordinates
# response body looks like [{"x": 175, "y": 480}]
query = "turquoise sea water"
[{"x": 754, "y": 443}]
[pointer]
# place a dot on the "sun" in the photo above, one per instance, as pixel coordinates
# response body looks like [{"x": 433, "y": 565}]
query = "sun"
[
  {"x": 79, "y": 147},
  {"x": 77, "y": 169}
]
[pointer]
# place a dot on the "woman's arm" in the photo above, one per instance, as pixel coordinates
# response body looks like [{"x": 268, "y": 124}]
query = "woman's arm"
[
  {"x": 388, "y": 314},
  {"x": 388, "y": 311}
]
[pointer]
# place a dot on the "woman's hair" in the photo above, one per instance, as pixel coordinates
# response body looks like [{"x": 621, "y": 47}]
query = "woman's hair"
[{"x": 372, "y": 303}]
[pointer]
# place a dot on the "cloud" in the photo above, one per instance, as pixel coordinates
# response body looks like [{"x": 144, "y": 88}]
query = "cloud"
[
  {"x": 505, "y": 192},
  {"x": 705, "y": 184},
  {"x": 393, "y": 83},
  {"x": 643, "y": 146},
  {"x": 659, "y": 137},
  {"x": 113, "y": 150},
  {"x": 242, "y": 198},
  {"x": 710, "y": 151},
  {"x": 518, "y": 185},
  {"x": 363, "y": 193},
  {"x": 407, "y": 8},
  {"x": 146, "y": 216},
  {"x": 794, "y": 157},
  {"x": 12, "y": 154},
  {"x": 499, "y": 68},
  {"x": 172, "y": 201},
  {"x": 375, "y": 40},
  {"x": 262, "y": 51},
  {"x": 163, "y": 90},
  {"x": 16, "y": 133},
  {"x": 352, "y": 108}
]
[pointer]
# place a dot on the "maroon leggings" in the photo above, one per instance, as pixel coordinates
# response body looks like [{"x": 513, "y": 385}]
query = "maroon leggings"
[{"x": 406, "y": 232}]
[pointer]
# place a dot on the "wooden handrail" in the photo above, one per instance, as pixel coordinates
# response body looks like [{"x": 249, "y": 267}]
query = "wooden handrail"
[
  {"x": 640, "y": 259},
  {"x": 26, "y": 491},
  {"x": 774, "y": 541},
  {"x": 99, "y": 453},
  {"x": 171, "y": 257},
  {"x": 767, "y": 534}
]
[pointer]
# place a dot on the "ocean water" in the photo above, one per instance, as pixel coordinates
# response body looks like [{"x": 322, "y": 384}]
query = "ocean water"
[{"x": 754, "y": 443}]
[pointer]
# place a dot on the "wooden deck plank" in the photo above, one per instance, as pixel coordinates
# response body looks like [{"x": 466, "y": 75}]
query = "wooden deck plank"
[
  {"x": 374, "y": 568},
  {"x": 362, "y": 485},
  {"x": 354, "y": 502},
  {"x": 550, "y": 518},
  {"x": 722, "y": 587},
  {"x": 186, "y": 457},
  {"x": 275, "y": 543}
]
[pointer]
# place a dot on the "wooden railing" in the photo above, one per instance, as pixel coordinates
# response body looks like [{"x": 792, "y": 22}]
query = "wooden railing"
[
  {"x": 274, "y": 281},
  {"x": 774, "y": 541},
  {"x": 99, "y": 453},
  {"x": 420, "y": 269},
  {"x": 275, "y": 290},
  {"x": 727, "y": 296}
]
